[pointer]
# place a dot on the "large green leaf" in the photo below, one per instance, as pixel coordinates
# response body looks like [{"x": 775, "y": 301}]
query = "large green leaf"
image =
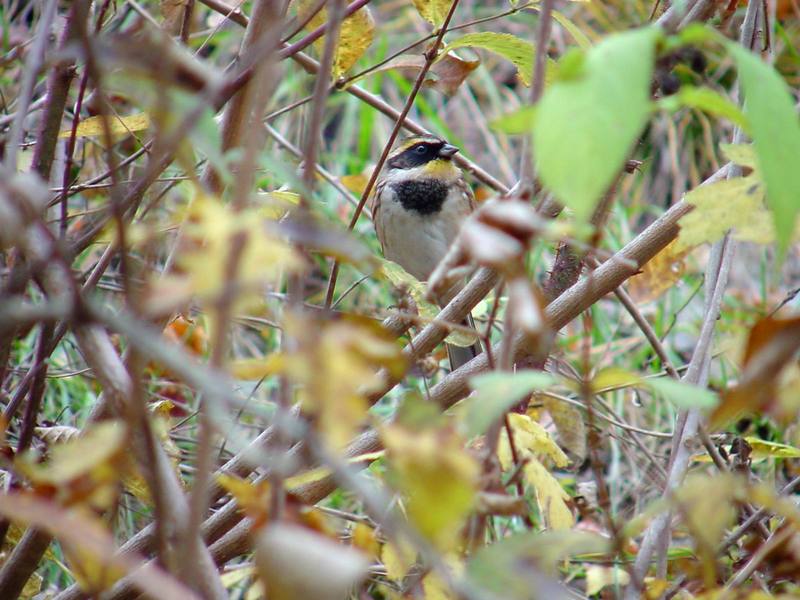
[
  {"x": 587, "y": 122},
  {"x": 775, "y": 129},
  {"x": 684, "y": 395},
  {"x": 520, "y": 52},
  {"x": 495, "y": 393}
]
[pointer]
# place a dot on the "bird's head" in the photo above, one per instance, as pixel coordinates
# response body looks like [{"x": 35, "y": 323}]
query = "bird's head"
[{"x": 427, "y": 155}]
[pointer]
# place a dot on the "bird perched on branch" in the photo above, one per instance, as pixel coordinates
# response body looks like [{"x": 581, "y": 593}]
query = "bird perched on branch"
[{"x": 419, "y": 203}]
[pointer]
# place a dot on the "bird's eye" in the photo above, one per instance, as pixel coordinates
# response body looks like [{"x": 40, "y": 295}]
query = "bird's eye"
[{"x": 420, "y": 149}]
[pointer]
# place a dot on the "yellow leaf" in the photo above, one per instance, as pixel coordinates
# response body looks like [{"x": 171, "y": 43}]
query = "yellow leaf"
[
  {"x": 437, "y": 474},
  {"x": 531, "y": 437},
  {"x": 435, "y": 588},
  {"x": 274, "y": 205},
  {"x": 760, "y": 450},
  {"x": 613, "y": 378},
  {"x": 93, "y": 126},
  {"x": 252, "y": 497},
  {"x": 212, "y": 232},
  {"x": 708, "y": 506},
  {"x": 320, "y": 473},
  {"x": 83, "y": 469},
  {"x": 740, "y": 154},
  {"x": 736, "y": 204},
  {"x": 85, "y": 538},
  {"x": 355, "y": 183},
  {"x": 433, "y": 11},
  {"x": 658, "y": 275},
  {"x": 570, "y": 426},
  {"x": 253, "y": 369},
  {"x": 236, "y": 576},
  {"x": 355, "y": 35},
  {"x": 520, "y": 52},
  {"x": 550, "y": 496},
  {"x": 337, "y": 363},
  {"x": 533, "y": 443},
  {"x": 397, "y": 557},
  {"x": 366, "y": 540},
  {"x": 598, "y": 577}
]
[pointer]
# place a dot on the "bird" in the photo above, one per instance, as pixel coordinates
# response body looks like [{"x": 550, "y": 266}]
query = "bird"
[{"x": 419, "y": 202}]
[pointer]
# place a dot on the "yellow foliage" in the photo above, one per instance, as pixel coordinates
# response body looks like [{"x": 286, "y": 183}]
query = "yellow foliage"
[
  {"x": 437, "y": 474},
  {"x": 93, "y": 126},
  {"x": 337, "y": 363},
  {"x": 83, "y": 469},
  {"x": 433, "y": 11},
  {"x": 355, "y": 35},
  {"x": 599, "y": 577},
  {"x": 533, "y": 444},
  {"x": 211, "y": 234},
  {"x": 397, "y": 557},
  {"x": 736, "y": 204}
]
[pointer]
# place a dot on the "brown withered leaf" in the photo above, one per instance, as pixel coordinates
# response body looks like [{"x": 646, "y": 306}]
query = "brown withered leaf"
[
  {"x": 659, "y": 274},
  {"x": 173, "y": 11},
  {"x": 771, "y": 345},
  {"x": 445, "y": 75}
]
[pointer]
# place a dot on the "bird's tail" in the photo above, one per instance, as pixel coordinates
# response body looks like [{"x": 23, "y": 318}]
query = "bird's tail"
[{"x": 461, "y": 355}]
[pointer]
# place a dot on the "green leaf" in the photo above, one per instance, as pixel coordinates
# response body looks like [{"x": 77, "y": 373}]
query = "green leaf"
[
  {"x": 684, "y": 395},
  {"x": 499, "y": 567},
  {"x": 573, "y": 30},
  {"x": 495, "y": 393},
  {"x": 587, "y": 125},
  {"x": 707, "y": 100},
  {"x": 519, "y": 52},
  {"x": 775, "y": 130}
]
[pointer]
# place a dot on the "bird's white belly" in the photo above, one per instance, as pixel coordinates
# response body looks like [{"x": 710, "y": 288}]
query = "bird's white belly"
[{"x": 416, "y": 242}]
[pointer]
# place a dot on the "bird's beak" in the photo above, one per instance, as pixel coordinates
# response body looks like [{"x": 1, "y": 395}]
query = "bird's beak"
[{"x": 447, "y": 151}]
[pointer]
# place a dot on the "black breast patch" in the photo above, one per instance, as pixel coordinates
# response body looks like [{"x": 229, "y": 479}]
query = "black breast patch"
[{"x": 426, "y": 196}]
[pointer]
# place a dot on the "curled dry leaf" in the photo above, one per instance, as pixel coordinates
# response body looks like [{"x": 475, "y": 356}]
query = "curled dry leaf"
[
  {"x": 771, "y": 345},
  {"x": 355, "y": 35},
  {"x": 446, "y": 74},
  {"x": 295, "y": 562},
  {"x": 520, "y": 52},
  {"x": 497, "y": 235}
]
